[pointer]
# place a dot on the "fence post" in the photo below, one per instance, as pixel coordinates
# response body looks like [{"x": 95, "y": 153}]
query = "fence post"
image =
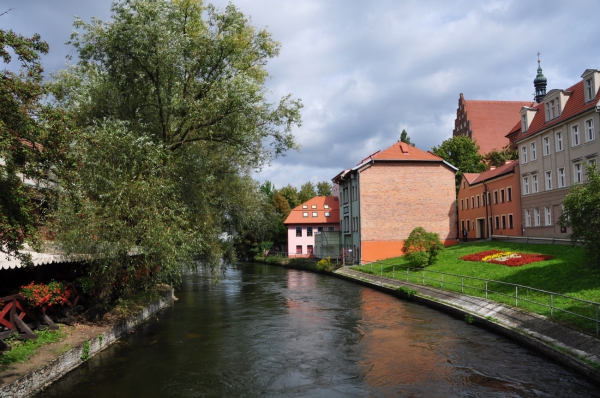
[
  {"x": 381, "y": 269},
  {"x": 552, "y": 308},
  {"x": 371, "y": 267},
  {"x": 442, "y": 281},
  {"x": 486, "y": 288},
  {"x": 516, "y": 296},
  {"x": 407, "y": 274},
  {"x": 596, "y": 318},
  {"x": 462, "y": 285},
  {"x": 423, "y": 278}
]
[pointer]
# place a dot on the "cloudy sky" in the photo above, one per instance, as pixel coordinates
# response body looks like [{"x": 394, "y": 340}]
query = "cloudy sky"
[{"x": 367, "y": 70}]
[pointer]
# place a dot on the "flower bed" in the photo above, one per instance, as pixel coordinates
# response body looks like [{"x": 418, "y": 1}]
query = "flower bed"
[
  {"x": 510, "y": 259},
  {"x": 41, "y": 295}
]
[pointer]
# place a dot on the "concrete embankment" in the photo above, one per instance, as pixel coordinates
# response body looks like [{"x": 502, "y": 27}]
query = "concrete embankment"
[
  {"x": 574, "y": 349},
  {"x": 42, "y": 377}
]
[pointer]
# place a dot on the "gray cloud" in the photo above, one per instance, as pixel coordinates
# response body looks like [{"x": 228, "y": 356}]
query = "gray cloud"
[{"x": 366, "y": 70}]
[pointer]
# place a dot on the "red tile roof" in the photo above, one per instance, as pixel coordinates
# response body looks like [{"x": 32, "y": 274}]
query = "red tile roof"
[
  {"x": 491, "y": 120},
  {"x": 498, "y": 171},
  {"x": 470, "y": 177},
  {"x": 296, "y": 216},
  {"x": 574, "y": 106},
  {"x": 401, "y": 151}
]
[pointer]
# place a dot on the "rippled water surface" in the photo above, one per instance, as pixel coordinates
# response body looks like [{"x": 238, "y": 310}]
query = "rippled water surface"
[{"x": 269, "y": 331}]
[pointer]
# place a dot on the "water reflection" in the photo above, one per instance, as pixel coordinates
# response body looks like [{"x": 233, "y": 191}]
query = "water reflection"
[{"x": 267, "y": 331}]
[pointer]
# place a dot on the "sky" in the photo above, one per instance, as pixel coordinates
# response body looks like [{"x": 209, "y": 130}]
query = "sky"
[{"x": 366, "y": 70}]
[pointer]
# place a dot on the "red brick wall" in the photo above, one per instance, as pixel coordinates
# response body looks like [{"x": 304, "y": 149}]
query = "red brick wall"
[{"x": 397, "y": 197}]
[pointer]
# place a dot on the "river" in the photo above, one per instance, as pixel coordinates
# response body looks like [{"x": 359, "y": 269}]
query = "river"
[{"x": 264, "y": 331}]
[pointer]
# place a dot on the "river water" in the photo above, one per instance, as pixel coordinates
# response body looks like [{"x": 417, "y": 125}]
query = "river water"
[{"x": 264, "y": 331}]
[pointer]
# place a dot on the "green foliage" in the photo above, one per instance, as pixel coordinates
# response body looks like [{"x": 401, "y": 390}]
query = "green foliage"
[
  {"x": 469, "y": 318},
  {"x": 22, "y": 350},
  {"x": 34, "y": 138},
  {"x": 281, "y": 205},
  {"x": 325, "y": 265},
  {"x": 421, "y": 247},
  {"x": 85, "y": 351},
  {"x": 268, "y": 189},
  {"x": 499, "y": 157},
  {"x": 100, "y": 339},
  {"x": 307, "y": 192},
  {"x": 405, "y": 138},
  {"x": 408, "y": 291},
  {"x": 461, "y": 152},
  {"x": 290, "y": 193},
  {"x": 582, "y": 214},
  {"x": 324, "y": 188}
]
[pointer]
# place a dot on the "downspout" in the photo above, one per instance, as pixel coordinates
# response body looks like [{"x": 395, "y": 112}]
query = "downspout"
[{"x": 488, "y": 198}]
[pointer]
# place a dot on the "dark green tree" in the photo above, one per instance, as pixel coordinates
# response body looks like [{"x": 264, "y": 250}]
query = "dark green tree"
[
  {"x": 307, "y": 192},
  {"x": 405, "y": 138},
  {"x": 34, "y": 138},
  {"x": 324, "y": 188},
  {"x": 582, "y": 214},
  {"x": 290, "y": 193},
  {"x": 422, "y": 247},
  {"x": 499, "y": 157},
  {"x": 461, "y": 152}
]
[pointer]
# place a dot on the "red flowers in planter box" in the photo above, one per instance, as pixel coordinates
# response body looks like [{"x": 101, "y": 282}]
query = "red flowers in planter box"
[
  {"x": 510, "y": 259},
  {"x": 41, "y": 295}
]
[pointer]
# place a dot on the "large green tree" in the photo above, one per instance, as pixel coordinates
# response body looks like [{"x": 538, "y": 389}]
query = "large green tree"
[
  {"x": 324, "y": 188},
  {"x": 499, "y": 157},
  {"x": 461, "y": 152},
  {"x": 34, "y": 137},
  {"x": 582, "y": 214},
  {"x": 182, "y": 83},
  {"x": 405, "y": 138},
  {"x": 290, "y": 193},
  {"x": 307, "y": 192}
]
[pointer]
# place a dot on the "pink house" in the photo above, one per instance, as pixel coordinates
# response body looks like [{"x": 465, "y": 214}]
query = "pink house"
[{"x": 321, "y": 213}]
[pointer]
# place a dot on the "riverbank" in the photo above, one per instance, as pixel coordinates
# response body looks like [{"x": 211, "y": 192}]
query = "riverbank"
[
  {"x": 574, "y": 349},
  {"x": 83, "y": 341}
]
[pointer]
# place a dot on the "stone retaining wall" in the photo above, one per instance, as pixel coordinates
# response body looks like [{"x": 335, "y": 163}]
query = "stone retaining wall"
[{"x": 46, "y": 375}]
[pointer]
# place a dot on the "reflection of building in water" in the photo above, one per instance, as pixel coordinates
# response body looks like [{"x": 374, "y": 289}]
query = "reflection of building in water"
[{"x": 414, "y": 342}]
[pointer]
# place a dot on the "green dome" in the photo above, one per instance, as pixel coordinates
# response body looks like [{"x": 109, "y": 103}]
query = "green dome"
[{"x": 540, "y": 78}]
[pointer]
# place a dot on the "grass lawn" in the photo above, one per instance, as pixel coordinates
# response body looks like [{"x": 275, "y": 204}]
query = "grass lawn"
[{"x": 569, "y": 273}]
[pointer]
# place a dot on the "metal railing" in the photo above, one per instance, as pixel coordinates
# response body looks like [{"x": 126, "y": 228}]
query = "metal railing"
[
  {"x": 533, "y": 239},
  {"x": 509, "y": 292}
]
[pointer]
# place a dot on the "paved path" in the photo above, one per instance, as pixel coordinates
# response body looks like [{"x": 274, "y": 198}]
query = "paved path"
[{"x": 575, "y": 349}]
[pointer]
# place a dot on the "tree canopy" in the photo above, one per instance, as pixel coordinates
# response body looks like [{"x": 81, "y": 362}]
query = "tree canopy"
[
  {"x": 34, "y": 139},
  {"x": 461, "y": 152},
  {"x": 307, "y": 192},
  {"x": 499, "y": 157},
  {"x": 324, "y": 188},
  {"x": 582, "y": 214},
  {"x": 171, "y": 98},
  {"x": 405, "y": 138}
]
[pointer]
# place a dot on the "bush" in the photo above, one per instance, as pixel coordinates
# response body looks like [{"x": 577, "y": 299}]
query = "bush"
[
  {"x": 326, "y": 265},
  {"x": 422, "y": 247}
]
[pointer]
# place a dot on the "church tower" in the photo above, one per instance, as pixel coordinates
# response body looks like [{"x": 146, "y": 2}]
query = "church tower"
[{"x": 540, "y": 82}]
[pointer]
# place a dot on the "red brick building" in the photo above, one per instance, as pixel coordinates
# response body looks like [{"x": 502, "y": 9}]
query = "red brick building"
[
  {"x": 489, "y": 203},
  {"x": 390, "y": 193},
  {"x": 487, "y": 122}
]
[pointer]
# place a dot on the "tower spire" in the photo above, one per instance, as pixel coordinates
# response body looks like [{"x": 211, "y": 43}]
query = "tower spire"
[{"x": 540, "y": 83}]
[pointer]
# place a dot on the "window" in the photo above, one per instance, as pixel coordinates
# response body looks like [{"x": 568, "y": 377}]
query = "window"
[
  {"x": 548, "y": 180},
  {"x": 526, "y": 185},
  {"x": 319, "y": 229},
  {"x": 577, "y": 173},
  {"x": 534, "y": 182},
  {"x": 326, "y": 206},
  {"x": 589, "y": 89},
  {"x": 495, "y": 197},
  {"x": 527, "y": 218},
  {"x": 503, "y": 221},
  {"x": 327, "y": 214},
  {"x": 552, "y": 109},
  {"x": 510, "y": 221},
  {"x": 472, "y": 202},
  {"x": 478, "y": 203},
  {"x": 524, "y": 154},
  {"x": 546, "y": 143},
  {"x": 309, "y": 231},
  {"x": 483, "y": 199},
  {"x": 315, "y": 214},
  {"x": 468, "y": 225},
  {"x": 536, "y": 216},
  {"x": 575, "y": 135},
  {"x": 462, "y": 223},
  {"x": 524, "y": 122},
  {"x": 467, "y": 204},
  {"x": 299, "y": 249},
  {"x": 592, "y": 162},
  {"x": 331, "y": 228},
  {"x": 590, "y": 135},
  {"x": 561, "y": 177},
  {"x": 509, "y": 193},
  {"x": 463, "y": 185},
  {"x": 559, "y": 141},
  {"x": 305, "y": 206},
  {"x": 502, "y": 196},
  {"x": 299, "y": 231},
  {"x": 313, "y": 206},
  {"x": 548, "y": 212},
  {"x": 533, "y": 152},
  {"x": 305, "y": 214},
  {"x": 462, "y": 204},
  {"x": 497, "y": 222},
  {"x": 309, "y": 249}
]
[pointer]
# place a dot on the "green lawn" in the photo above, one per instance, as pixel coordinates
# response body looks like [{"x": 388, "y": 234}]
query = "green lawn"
[{"x": 569, "y": 273}]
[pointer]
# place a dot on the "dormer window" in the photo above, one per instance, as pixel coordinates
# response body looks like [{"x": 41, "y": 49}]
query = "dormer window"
[
  {"x": 552, "y": 109},
  {"x": 524, "y": 122},
  {"x": 591, "y": 83},
  {"x": 589, "y": 89}
]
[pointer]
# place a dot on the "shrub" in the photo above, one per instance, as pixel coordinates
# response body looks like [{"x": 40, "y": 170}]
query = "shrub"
[
  {"x": 41, "y": 295},
  {"x": 326, "y": 265},
  {"x": 422, "y": 247}
]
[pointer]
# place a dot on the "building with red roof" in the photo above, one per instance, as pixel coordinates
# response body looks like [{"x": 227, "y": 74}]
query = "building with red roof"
[
  {"x": 387, "y": 195},
  {"x": 556, "y": 139},
  {"x": 317, "y": 215},
  {"x": 489, "y": 202},
  {"x": 487, "y": 122}
]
